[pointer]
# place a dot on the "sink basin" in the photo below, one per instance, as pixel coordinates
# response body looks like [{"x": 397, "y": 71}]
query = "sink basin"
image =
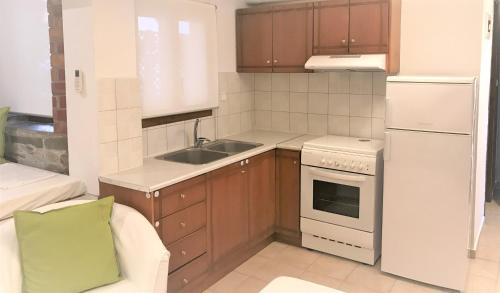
[
  {"x": 194, "y": 156},
  {"x": 231, "y": 146}
]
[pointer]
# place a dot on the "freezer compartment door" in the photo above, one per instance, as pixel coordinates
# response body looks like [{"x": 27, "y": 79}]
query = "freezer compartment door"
[
  {"x": 425, "y": 207},
  {"x": 439, "y": 107}
]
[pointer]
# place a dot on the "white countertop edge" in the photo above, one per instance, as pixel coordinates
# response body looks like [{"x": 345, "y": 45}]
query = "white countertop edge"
[{"x": 205, "y": 168}]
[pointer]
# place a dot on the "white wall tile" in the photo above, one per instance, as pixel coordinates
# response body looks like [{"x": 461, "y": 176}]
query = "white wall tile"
[
  {"x": 298, "y": 102},
  {"x": 360, "y": 105},
  {"x": 318, "y": 82},
  {"x": 127, "y": 93},
  {"x": 338, "y": 104},
  {"x": 378, "y": 128},
  {"x": 234, "y": 124},
  {"x": 107, "y": 126},
  {"x": 280, "y": 101},
  {"x": 360, "y": 127},
  {"x": 338, "y": 125},
  {"x": 299, "y": 82},
  {"x": 262, "y": 100},
  {"x": 189, "y": 132},
  {"x": 378, "y": 107},
  {"x": 263, "y": 120},
  {"x": 107, "y": 94},
  {"x": 129, "y": 123},
  {"x": 379, "y": 83},
  {"x": 145, "y": 143},
  {"x": 280, "y": 121},
  {"x": 232, "y": 82},
  {"x": 234, "y": 103},
  {"x": 175, "y": 136},
  {"x": 317, "y": 124},
  {"x": 108, "y": 161},
  {"x": 280, "y": 82},
  {"x": 246, "y": 121},
  {"x": 263, "y": 82},
  {"x": 246, "y": 101},
  {"x": 318, "y": 103},
  {"x": 129, "y": 153},
  {"x": 223, "y": 82},
  {"x": 298, "y": 122},
  {"x": 339, "y": 82},
  {"x": 246, "y": 82},
  {"x": 157, "y": 140},
  {"x": 360, "y": 83},
  {"x": 208, "y": 128},
  {"x": 223, "y": 105},
  {"x": 222, "y": 123}
]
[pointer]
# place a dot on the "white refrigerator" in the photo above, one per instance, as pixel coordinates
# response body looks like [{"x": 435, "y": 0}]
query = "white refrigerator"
[{"x": 428, "y": 161}]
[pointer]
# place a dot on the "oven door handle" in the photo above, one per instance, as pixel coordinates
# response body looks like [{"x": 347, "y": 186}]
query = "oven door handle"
[{"x": 318, "y": 172}]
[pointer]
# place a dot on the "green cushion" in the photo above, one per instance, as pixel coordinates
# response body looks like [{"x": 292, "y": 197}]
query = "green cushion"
[
  {"x": 69, "y": 249},
  {"x": 3, "y": 120}
]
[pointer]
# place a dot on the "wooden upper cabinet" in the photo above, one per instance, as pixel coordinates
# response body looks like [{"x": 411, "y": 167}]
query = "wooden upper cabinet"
[
  {"x": 369, "y": 26},
  {"x": 228, "y": 188},
  {"x": 254, "y": 33},
  {"x": 292, "y": 37},
  {"x": 331, "y": 27},
  {"x": 261, "y": 196}
]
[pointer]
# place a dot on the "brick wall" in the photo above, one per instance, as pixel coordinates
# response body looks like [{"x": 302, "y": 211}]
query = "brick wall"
[{"x": 54, "y": 8}]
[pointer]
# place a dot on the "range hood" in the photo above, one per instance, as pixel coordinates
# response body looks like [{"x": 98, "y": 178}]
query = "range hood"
[{"x": 369, "y": 62}]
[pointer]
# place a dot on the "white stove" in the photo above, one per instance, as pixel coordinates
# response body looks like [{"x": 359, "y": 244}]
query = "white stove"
[{"x": 341, "y": 196}]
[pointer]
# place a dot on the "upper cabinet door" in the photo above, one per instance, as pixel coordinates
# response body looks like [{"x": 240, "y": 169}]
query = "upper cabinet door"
[
  {"x": 369, "y": 26},
  {"x": 254, "y": 29},
  {"x": 292, "y": 37},
  {"x": 331, "y": 27}
]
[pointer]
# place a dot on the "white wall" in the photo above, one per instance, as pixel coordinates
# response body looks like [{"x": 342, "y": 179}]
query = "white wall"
[{"x": 25, "y": 83}]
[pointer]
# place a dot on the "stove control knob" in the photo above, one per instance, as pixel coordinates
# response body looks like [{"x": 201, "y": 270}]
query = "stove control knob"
[
  {"x": 323, "y": 161},
  {"x": 344, "y": 164},
  {"x": 330, "y": 163},
  {"x": 360, "y": 167},
  {"x": 337, "y": 164},
  {"x": 353, "y": 165}
]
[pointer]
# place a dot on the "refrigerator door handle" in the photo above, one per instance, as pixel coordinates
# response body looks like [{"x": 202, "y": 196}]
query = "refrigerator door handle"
[{"x": 387, "y": 147}]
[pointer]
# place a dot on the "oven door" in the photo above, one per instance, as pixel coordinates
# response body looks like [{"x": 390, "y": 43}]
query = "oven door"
[{"x": 336, "y": 197}]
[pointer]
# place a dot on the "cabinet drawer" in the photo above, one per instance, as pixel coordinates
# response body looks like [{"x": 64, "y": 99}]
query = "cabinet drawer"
[
  {"x": 181, "y": 196},
  {"x": 187, "y": 248},
  {"x": 183, "y": 223},
  {"x": 187, "y": 274}
]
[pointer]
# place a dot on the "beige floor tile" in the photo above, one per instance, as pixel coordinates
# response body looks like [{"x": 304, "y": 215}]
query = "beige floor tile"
[
  {"x": 332, "y": 266},
  {"x": 297, "y": 257},
  {"x": 273, "y": 250},
  {"x": 408, "y": 286},
  {"x": 492, "y": 208},
  {"x": 250, "y": 285},
  {"x": 272, "y": 270},
  {"x": 371, "y": 278},
  {"x": 229, "y": 283},
  {"x": 252, "y": 265},
  {"x": 321, "y": 279},
  {"x": 488, "y": 251},
  {"x": 355, "y": 288},
  {"x": 485, "y": 268},
  {"x": 480, "y": 284}
]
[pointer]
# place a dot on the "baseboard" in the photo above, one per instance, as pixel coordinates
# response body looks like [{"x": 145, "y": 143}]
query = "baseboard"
[{"x": 472, "y": 250}]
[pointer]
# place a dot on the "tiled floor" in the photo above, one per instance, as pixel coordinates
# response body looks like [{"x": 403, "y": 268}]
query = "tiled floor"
[{"x": 279, "y": 259}]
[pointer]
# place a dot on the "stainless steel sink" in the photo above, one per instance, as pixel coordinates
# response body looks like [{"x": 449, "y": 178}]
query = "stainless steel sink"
[
  {"x": 195, "y": 156},
  {"x": 231, "y": 146},
  {"x": 210, "y": 152}
]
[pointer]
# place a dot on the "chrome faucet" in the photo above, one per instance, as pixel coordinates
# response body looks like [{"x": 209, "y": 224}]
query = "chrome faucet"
[{"x": 198, "y": 141}]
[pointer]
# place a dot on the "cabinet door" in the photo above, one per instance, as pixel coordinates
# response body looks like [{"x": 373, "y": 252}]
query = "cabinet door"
[
  {"x": 262, "y": 200},
  {"x": 369, "y": 26},
  {"x": 228, "y": 191},
  {"x": 288, "y": 192},
  {"x": 331, "y": 27},
  {"x": 292, "y": 37},
  {"x": 254, "y": 39}
]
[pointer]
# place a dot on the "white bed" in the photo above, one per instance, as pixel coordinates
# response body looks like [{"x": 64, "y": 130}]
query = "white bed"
[{"x": 27, "y": 188}]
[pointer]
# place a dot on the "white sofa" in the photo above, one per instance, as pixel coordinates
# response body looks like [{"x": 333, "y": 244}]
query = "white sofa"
[{"x": 142, "y": 256}]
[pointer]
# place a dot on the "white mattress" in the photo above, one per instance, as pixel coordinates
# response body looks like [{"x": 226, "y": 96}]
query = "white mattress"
[{"x": 27, "y": 188}]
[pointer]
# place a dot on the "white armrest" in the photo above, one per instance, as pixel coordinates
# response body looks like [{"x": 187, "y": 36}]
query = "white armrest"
[{"x": 143, "y": 257}]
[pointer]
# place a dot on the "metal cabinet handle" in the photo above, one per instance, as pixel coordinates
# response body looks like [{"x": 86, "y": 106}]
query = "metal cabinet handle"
[
  {"x": 353, "y": 40},
  {"x": 182, "y": 224},
  {"x": 275, "y": 61},
  {"x": 157, "y": 224},
  {"x": 185, "y": 281},
  {"x": 295, "y": 162},
  {"x": 182, "y": 196},
  {"x": 184, "y": 253},
  {"x": 247, "y": 161},
  {"x": 268, "y": 61},
  {"x": 343, "y": 42},
  {"x": 242, "y": 163},
  {"x": 157, "y": 194},
  {"x": 243, "y": 171}
]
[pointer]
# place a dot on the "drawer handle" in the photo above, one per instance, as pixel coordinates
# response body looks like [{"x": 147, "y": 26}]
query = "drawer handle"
[
  {"x": 295, "y": 162},
  {"x": 185, "y": 281},
  {"x": 182, "y": 196},
  {"x": 157, "y": 224},
  {"x": 183, "y": 225},
  {"x": 156, "y": 194},
  {"x": 184, "y": 253}
]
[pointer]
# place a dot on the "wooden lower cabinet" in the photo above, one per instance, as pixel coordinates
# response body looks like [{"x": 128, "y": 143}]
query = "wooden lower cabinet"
[
  {"x": 288, "y": 196},
  {"x": 214, "y": 222}
]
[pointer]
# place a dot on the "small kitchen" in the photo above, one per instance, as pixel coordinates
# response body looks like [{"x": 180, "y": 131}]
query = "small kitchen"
[{"x": 324, "y": 125}]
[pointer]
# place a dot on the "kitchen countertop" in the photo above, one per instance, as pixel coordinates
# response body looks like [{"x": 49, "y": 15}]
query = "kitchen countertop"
[{"x": 156, "y": 174}]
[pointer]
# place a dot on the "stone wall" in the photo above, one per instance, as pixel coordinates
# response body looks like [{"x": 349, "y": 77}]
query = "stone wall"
[{"x": 36, "y": 144}]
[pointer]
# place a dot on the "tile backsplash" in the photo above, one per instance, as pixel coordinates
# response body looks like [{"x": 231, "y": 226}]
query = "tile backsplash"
[{"x": 340, "y": 103}]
